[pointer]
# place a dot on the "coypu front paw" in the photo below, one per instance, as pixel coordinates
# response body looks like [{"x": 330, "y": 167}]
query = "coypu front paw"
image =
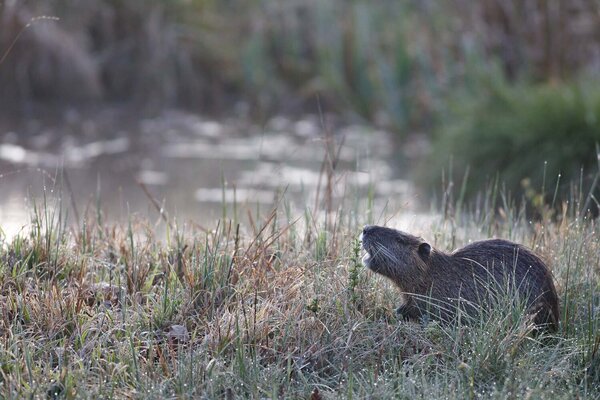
[
  {"x": 401, "y": 312},
  {"x": 407, "y": 312}
]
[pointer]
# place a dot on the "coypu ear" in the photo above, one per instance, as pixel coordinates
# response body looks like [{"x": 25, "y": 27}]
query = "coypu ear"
[{"x": 424, "y": 249}]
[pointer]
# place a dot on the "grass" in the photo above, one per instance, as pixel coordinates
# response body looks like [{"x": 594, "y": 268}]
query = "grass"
[{"x": 276, "y": 307}]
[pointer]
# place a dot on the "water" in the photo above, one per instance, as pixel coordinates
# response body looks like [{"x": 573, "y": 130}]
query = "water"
[{"x": 188, "y": 165}]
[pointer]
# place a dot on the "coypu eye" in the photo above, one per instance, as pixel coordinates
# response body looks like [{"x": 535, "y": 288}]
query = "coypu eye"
[{"x": 424, "y": 249}]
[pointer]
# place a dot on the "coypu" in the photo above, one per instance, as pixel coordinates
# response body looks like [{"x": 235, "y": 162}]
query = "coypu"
[{"x": 436, "y": 283}]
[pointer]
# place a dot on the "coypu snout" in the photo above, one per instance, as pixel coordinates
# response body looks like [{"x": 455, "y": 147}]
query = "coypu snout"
[{"x": 389, "y": 251}]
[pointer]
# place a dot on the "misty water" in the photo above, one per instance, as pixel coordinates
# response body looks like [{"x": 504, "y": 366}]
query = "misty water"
[{"x": 190, "y": 166}]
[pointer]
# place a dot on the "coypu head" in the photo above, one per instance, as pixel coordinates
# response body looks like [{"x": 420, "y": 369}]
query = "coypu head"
[{"x": 395, "y": 254}]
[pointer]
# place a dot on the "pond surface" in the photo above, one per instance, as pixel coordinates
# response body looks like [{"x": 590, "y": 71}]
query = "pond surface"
[{"x": 190, "y": 166}]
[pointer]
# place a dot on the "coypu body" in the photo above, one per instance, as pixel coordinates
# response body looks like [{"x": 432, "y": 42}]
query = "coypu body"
[{"x": 436, "y": 283}]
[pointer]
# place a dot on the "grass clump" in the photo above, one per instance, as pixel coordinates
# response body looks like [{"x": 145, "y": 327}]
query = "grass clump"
[{"x": 261, "y": 310}]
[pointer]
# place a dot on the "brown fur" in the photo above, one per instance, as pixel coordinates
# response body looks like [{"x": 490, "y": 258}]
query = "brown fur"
[{"x": 435, "y": 283}]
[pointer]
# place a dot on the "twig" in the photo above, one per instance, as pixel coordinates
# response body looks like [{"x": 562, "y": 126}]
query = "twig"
[
  {"x": 156, "y": 204},
  {"x": 70, "y": 189},
  {"x": 31, "y": 22}
]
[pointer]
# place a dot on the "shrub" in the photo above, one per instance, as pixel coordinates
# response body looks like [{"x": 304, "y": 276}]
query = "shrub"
[{"x": 525, "y": 136}]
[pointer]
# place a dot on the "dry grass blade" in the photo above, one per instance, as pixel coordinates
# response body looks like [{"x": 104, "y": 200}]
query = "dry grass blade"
[{"x": 160, "y": 209}]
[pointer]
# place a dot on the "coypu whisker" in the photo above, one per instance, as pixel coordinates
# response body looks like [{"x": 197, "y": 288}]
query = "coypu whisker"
[{"x": 386, "y": 253}]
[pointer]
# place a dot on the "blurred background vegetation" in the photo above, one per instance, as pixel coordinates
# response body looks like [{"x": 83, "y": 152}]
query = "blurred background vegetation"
[{"x": 508, "y": 90}]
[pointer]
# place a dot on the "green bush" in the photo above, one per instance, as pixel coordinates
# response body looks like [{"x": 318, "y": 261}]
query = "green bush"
[{"x": 524, "y": 136}]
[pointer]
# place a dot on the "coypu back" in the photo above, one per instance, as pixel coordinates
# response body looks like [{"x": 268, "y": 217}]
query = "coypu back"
[{"x": 469, "y": 277}]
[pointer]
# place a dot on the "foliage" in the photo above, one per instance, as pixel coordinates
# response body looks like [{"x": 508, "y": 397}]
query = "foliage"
[
  {"x": 210, "y": 54},
  {"x": 393, "y": 62},
  {"x": 535, "y": 139}
]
